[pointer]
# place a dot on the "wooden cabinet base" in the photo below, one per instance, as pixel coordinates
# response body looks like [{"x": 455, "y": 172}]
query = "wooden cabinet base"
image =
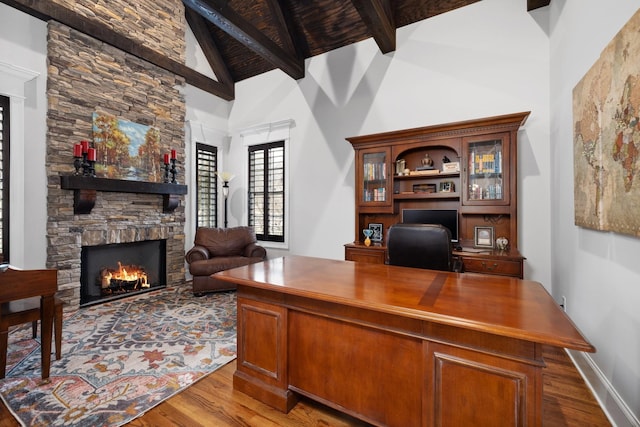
[
  {"x": 501, "y": 263},
  {"x": 376, "y": 254},
  {"x": 282, "y": 400}
]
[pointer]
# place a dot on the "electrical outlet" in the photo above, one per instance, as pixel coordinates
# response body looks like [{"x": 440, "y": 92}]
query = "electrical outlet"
[{"x": 564, "y": 303}]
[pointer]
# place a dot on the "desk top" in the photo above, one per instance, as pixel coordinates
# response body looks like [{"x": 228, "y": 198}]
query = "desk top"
[{"x": 497, "y": 305}]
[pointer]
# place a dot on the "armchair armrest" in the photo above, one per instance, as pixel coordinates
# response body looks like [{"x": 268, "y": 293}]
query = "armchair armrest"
[
  {"x": 254, "y": 250},
  {"x": 197, "y": 253}
]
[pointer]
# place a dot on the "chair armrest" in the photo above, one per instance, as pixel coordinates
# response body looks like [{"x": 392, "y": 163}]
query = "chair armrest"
[
  {"x": 197, "y": 253},
  {"x": 254, "y": 250}
]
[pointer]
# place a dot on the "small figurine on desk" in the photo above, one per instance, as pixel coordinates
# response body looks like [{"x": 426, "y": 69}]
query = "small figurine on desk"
[
  {"x": 367, "y": 234},
  {"x": 502, "y": 243},
  {"x": 445, "y": 159}
]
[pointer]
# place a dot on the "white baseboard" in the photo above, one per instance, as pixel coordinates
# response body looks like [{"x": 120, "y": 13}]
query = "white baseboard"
[{"x": 610, "y": 401}]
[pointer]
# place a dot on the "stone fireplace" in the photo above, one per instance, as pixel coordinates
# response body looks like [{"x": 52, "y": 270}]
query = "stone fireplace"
[{"x": 87, "y": 76}]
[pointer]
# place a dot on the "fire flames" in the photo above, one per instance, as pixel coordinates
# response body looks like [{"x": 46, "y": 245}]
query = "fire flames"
[{"x": 128, "y": 275}]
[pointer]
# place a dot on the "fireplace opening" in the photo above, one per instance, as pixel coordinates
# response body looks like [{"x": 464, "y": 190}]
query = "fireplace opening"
[{"x": 109, "y": 272}]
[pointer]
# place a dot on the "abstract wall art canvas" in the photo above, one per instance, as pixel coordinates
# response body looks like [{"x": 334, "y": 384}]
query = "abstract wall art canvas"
[
  {"x": 606, "y": 140},
  {"x": 126, "y": 150}
]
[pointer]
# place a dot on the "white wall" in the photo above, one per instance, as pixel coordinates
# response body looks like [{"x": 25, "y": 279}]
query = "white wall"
[
  {"x": 486, "y": 59},
  {"x": 23, "y": 45},
  {"x": 206, "y": 118},
  {"x": 598, "y": 272}
]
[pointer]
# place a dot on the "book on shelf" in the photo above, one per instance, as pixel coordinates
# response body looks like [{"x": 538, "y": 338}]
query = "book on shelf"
[{"x": 424, "y": 172}]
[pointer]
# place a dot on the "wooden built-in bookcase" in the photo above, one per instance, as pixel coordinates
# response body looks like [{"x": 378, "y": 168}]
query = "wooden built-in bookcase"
[{"x": 484, "y": 189}]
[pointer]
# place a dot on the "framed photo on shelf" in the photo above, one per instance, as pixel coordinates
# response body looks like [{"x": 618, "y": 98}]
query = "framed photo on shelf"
[
  {"x": 377, "y": 232},
  {"x": 447, "y": 187},
  {"x": 483, "y": 237}
]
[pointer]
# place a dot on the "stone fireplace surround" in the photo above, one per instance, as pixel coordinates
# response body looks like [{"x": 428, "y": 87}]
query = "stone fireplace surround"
[{"x": 84, "y": 76}]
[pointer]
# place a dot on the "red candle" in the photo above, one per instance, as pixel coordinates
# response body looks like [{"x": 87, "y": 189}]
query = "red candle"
[
  {"x": 166, "y": 159},
  {"x": 85, "y": 146},
  {"x": 91, "y": 154},
  {"x": 77, "y": 150},
  {"x": 173, "y": 154}
]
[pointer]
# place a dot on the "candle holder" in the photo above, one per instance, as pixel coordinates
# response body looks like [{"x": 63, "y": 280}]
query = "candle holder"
[
  {"x": 166, "y": 173},
  {"x": 91, "y": 168},
  {"x": 77, "y": 163},
  {"x": 85, "y": 165},
  {"x": 174, "y": 171}
]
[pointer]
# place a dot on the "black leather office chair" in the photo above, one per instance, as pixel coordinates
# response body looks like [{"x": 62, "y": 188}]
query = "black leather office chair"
[{"x": 422, "y": 246}]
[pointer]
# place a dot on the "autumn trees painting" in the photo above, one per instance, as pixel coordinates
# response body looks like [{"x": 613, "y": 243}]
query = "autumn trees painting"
[{"x": 126, "y": 150}]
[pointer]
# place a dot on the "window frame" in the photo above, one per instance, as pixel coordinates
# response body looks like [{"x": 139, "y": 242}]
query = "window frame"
[
  {"x": 214, "y": 186},
  {"x": 264, "y": 134},
  {"x": 266, "y": 149},
  {"x": 5, "y": 147}
]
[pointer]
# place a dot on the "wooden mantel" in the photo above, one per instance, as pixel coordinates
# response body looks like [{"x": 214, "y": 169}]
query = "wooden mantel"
[{"x": 85, "y": 190}]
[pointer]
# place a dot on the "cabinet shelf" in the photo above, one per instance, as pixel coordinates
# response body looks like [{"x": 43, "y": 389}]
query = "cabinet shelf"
[
  {"x": 423, "y": 196},
  {"x": 427, "y": 176},
  {"x": 487, "y": 175}
]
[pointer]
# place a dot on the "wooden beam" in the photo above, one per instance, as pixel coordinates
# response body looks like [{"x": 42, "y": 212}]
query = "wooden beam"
[
  {"x": 378, "y": 17},
  {"x": 46, "y": 10},
  {"x": 536, "y": 4},
  {"x": 282, "y": 17},
  {"x": 219, "y": 14},
  {"x": 200, "y": 30}
]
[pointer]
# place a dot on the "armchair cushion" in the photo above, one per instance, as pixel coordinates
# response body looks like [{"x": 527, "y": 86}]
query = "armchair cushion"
[{"x": 218, "y": 249}]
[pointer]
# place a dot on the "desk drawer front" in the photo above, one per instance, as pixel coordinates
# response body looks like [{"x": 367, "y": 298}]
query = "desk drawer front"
[
  {"x": 493, "y": 266},
  {"x": 364, "y": 255}
]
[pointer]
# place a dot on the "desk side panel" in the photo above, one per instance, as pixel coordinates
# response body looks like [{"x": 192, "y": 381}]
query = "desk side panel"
[{"x": 262, "y": 353}]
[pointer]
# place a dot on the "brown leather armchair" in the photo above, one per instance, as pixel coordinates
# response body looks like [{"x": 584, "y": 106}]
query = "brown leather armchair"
[
  {"x": 422, "y": 246},
  {"x": 218, "y": 249}
]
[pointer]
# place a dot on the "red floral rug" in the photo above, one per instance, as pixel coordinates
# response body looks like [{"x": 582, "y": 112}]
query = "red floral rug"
[{"x": 121, "y": 358}]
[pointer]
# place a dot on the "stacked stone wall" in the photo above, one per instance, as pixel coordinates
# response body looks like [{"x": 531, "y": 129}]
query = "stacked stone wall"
[
  {"x": 87, "y": 76},
  {"x": 158, "y": 24}
]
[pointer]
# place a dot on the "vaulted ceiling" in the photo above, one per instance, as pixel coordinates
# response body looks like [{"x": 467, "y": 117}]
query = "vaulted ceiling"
[{"x": 245, "y": 38}]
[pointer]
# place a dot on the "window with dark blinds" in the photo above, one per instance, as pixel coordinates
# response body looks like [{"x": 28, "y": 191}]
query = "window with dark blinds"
[
  {"x": 207, "y": 185},
  {"x": 266, "y": 191},
  {"x": 4, "y": 179}
]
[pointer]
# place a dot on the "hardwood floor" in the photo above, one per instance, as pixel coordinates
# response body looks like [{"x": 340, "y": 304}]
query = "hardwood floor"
[{"x": 567, "y": 402}]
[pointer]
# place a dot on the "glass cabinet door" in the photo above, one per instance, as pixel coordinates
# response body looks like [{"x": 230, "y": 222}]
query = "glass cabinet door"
[
  {"x": 375, "y": 178},
  {"x": 487, "y": 173}
]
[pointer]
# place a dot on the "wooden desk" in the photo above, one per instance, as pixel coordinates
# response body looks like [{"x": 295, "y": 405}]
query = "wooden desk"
[{"x": 396, "y": 346}]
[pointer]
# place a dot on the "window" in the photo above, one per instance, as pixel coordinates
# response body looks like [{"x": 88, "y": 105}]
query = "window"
[
  {"x": 266, "y": 191},
  {"x": 4, "y": 179},
  {"x": 207, "y": 185}
]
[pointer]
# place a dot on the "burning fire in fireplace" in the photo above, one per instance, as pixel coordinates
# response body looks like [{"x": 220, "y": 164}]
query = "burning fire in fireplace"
[{"x": 125, "y": 278}]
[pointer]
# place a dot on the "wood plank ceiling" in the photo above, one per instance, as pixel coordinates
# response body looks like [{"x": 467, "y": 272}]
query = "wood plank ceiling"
[{"x": 245, "y": 38}]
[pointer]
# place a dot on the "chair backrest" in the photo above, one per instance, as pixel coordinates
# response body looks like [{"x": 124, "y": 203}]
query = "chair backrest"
[
  {"x": 19, "y": 284},
  {"x": 420, "y": 245},
  {"x": 225, "y": 241}
]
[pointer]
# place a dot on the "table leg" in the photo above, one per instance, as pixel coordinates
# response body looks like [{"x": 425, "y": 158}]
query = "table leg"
[{"x": 46, "y": 316}]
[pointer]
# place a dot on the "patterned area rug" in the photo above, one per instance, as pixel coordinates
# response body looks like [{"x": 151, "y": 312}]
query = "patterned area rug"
[{"x": 121, "y": 358}]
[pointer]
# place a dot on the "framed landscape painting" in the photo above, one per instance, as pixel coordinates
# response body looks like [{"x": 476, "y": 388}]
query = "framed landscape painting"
[{"x": 126, "y": 150}]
